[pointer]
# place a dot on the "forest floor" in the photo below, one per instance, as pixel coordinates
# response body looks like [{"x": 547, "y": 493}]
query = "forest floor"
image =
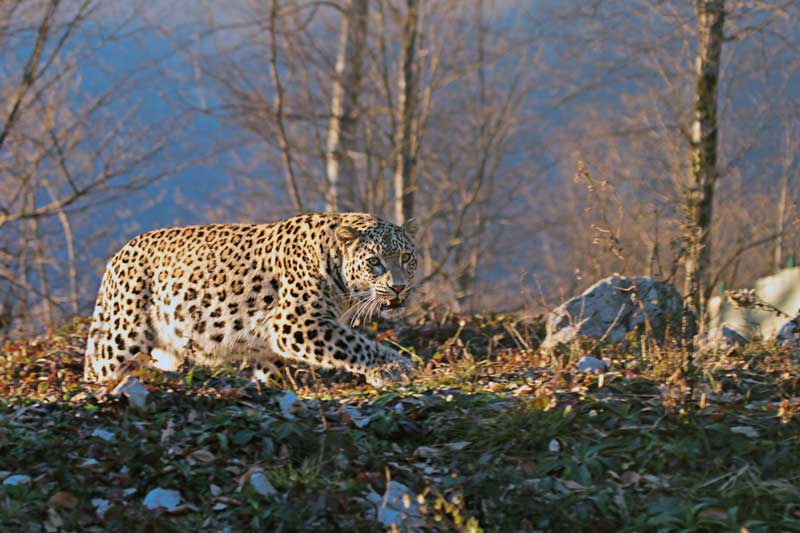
[{"x": 489, "y": 436}]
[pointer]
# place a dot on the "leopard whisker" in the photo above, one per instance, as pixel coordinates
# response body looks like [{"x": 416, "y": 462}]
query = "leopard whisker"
[
  {"x": 357, "y": 299},
  {"x": 362, "y": 308}
]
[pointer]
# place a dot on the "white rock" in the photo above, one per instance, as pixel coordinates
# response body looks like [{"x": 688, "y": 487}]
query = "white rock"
[
  {"x": 261, "y": 484},
  {"x": 103, "y": 434},
  {"x": 17, "y": 480},
  {"x": 554, "y": 446},
  {"x": 159, "y": 498},
  {"x": 101, "y": 506},
  {"x": 132, "y": 389},
  {"x": 592, "y": 365},
  {"x": 781, "y": 290},
  {"x": 129, "y": 491},
  {"x": 398, "y": 507},
  {"x": 609, "y": 310}
]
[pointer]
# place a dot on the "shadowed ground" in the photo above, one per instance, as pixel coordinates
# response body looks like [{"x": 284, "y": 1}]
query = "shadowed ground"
[{"x": 486, "y": 437}]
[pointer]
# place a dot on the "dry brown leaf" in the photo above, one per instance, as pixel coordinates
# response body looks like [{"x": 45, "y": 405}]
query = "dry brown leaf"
[
  {"x": 204, "y": 456},
  {"x": 63, "y": 499}
]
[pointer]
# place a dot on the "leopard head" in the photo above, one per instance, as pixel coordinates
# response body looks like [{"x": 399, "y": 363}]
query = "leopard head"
[{"x": 378, "y": 265}]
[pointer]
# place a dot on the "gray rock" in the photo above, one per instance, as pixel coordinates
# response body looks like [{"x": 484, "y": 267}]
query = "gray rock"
[
  {"x": 592, "y": 365},
  {"x": 789, "y": 334},
  {"x": 614, "y": 307},
  {"x": 720, "y": 339}
]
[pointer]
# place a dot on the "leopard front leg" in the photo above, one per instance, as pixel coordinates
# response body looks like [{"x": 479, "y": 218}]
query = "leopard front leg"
[{"x": 326, "y": 343}]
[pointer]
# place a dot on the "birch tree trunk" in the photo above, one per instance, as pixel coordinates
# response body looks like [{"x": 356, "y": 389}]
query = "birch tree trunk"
[
  {"x": 406, "y": 162},
  {"x": 342, "y": 128},
  {"x": 700, "y": 193},
  {"x": 777, "y": 257},
  {"x": 283, "y": 138},
  {"x": 790, "y": 151}
]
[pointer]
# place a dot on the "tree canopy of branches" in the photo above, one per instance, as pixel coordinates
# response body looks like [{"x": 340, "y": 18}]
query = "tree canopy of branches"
[{"x": 68, "y": 144}]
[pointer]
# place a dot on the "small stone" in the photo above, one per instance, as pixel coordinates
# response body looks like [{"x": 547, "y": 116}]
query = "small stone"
[
  {"x": 592, "y": 365},
  {"x": 89, "y": 463},
  {"x": 789, "y": 333},
  {"x": 159, "y": 498},
  {"x": 133, "y": 390},
  {"x": 554, "y": 446},
  {"x": 397, "y": 508},
  {"x": 17, "y": 480},
  {"x": 101, "y": 506},
  {"x": 215, "y": 490},
  {"x": 103, "y": 434},
  {"x": 355, "y": 416},
  {"x": 289, "y": 404},
  {"x": 261, "y": 484},
  {"x": 721, "y": 339}
]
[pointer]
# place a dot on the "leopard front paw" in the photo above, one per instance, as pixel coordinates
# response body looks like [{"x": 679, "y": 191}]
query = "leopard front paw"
[{"x": 399, "y": 369}]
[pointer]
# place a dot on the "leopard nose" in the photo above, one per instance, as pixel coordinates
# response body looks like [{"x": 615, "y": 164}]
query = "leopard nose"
[{"x": 397, "y": 288}]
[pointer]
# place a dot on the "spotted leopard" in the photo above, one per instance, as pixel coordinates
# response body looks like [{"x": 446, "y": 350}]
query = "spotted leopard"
[{"x": 286, "y": 291}]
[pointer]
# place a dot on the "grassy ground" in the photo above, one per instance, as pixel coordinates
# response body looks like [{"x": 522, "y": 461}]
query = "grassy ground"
[{"x": 487, "y": 437}]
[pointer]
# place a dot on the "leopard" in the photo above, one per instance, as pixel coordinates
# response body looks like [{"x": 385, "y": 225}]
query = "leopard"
[{"x": 290, "y": 291}]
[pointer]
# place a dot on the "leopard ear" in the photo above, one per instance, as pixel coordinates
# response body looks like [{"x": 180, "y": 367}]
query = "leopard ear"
[
  {"x": 347, "y": 234},
  {"x": 411, "y": 226}
]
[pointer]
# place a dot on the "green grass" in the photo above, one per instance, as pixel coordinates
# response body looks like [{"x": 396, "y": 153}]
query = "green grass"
[{"x": 487, "y": 437}]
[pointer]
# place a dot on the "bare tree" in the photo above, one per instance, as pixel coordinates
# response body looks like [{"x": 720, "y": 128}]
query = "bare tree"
[
  {"x": 790, "y": 149},
  {"x": 703, "y": 150},
  {"x": 342, "y": 125},
  {"x": 405, "y": 138},
  {"x": 667, "y": 155},
  {"x": 283, "y": 140},
  {"x": 66, "y": 150}
]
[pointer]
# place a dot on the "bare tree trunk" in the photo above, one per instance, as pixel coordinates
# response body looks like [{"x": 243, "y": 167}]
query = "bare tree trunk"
[
  {"x": 69, "y": 241},
  {"x": 342, "y": 134},
  {"x": 41, "y": 271},
  {"x": 283, "y": 140},
  {"x": 777, "y": 257},
  {"x": 790, "y": 151},
  {"x": 700, "y": 193},
  {"x": 72, "y": 262},
  {"x": 406, "y": 162}
]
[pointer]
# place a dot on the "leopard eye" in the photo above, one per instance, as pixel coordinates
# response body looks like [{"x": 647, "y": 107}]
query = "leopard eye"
[
  {"x": 374, "y": 261},
  {"x": 405, "y": 257}
]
